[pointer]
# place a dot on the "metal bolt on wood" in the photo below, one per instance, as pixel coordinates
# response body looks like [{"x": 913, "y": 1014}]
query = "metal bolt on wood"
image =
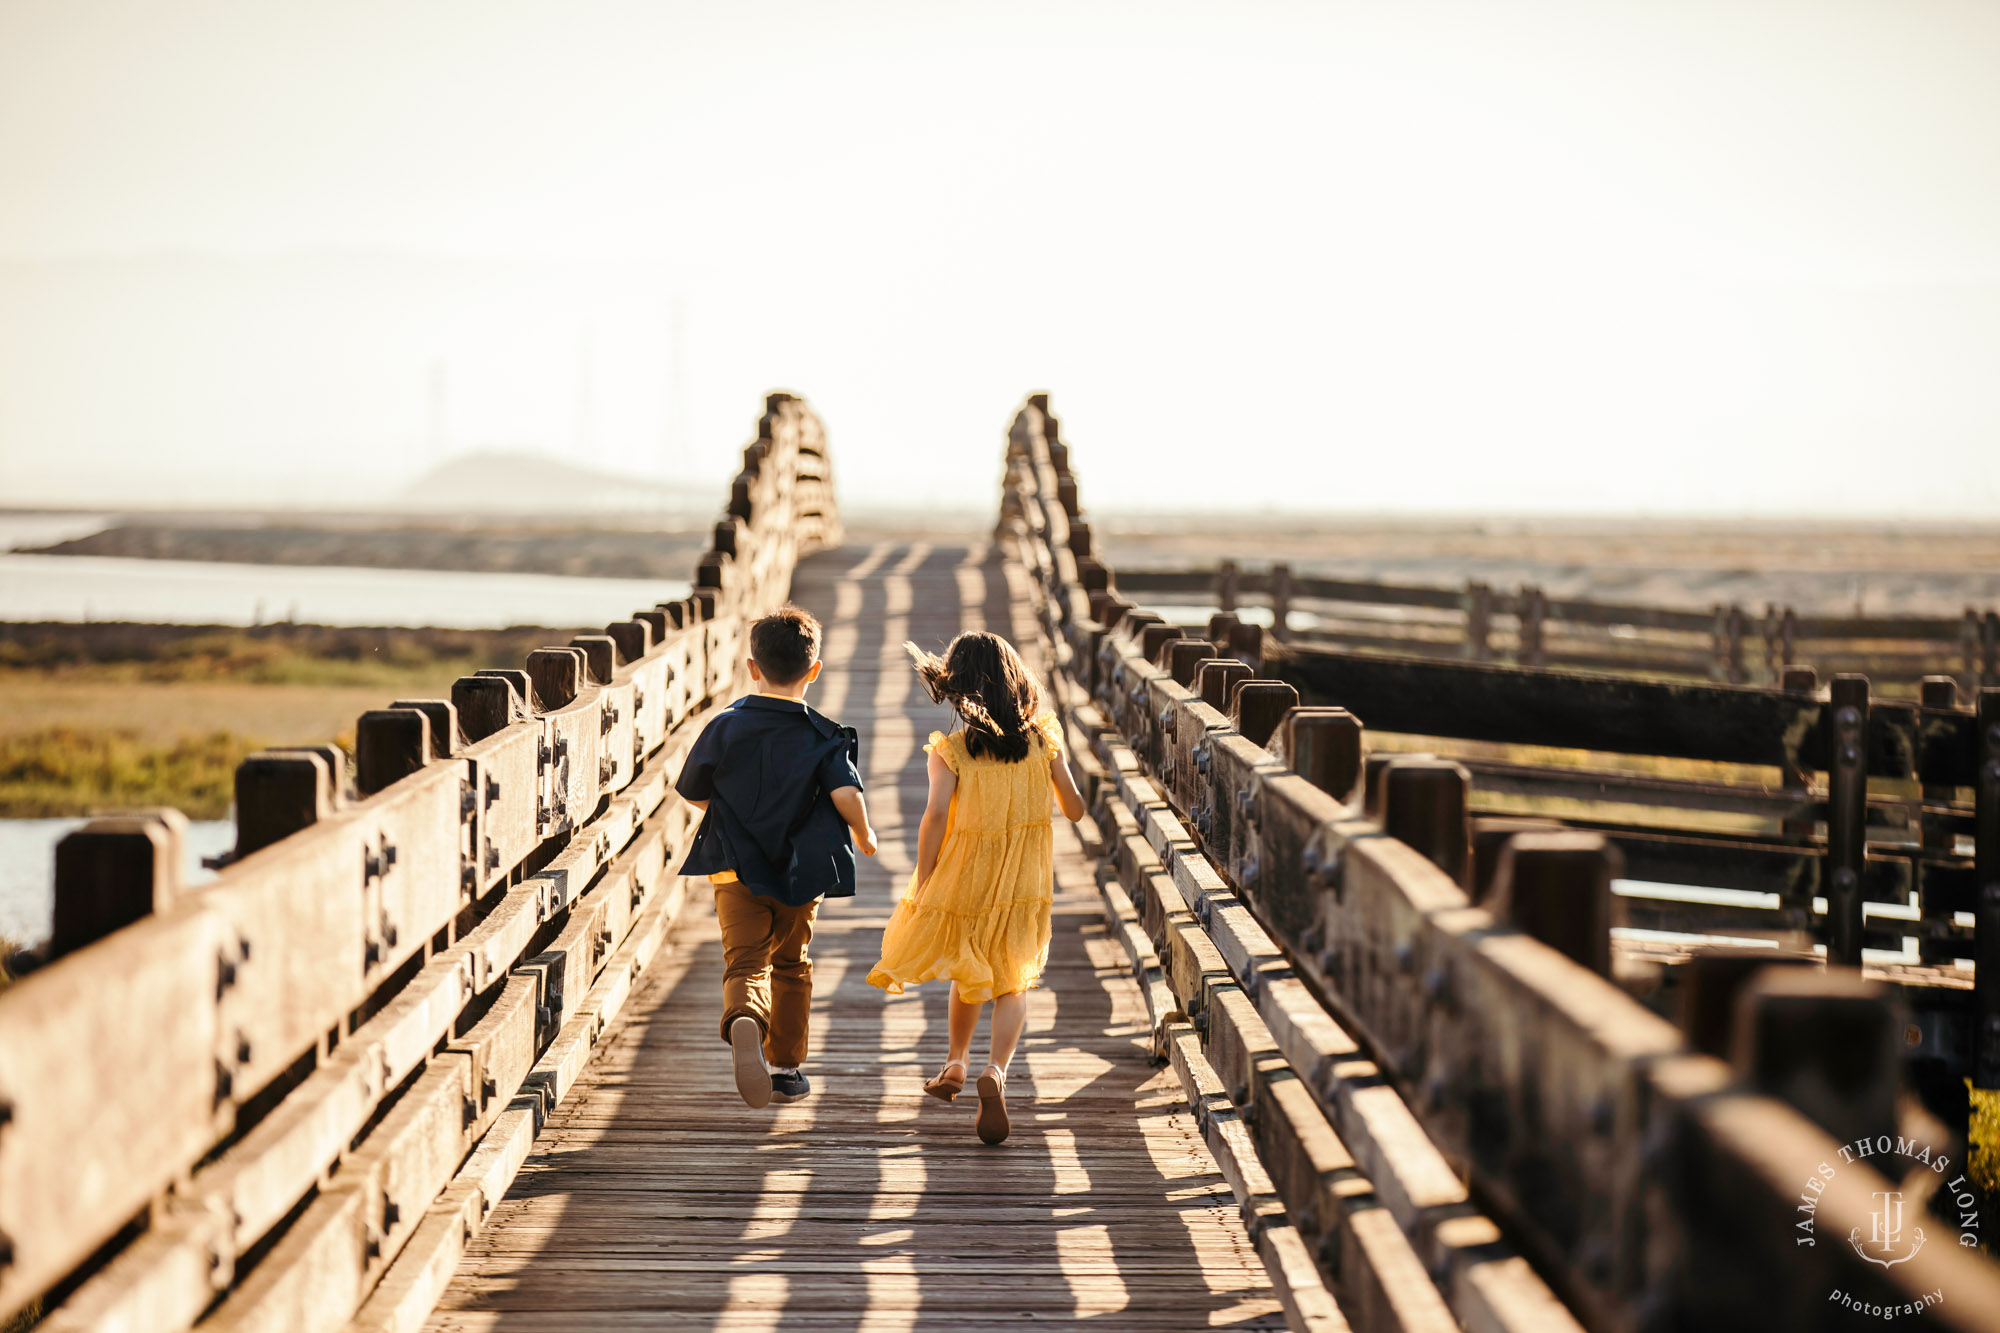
[
  {"x": 1424, "y": 805},
  {"x": 1557, "y": 888},
  {"x": 1826, "y": 1041}
]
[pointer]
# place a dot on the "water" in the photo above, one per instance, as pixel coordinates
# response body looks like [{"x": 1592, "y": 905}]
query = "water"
[
  {"x": 28, "y": 868},
  {"x": 67, "y": 587}
]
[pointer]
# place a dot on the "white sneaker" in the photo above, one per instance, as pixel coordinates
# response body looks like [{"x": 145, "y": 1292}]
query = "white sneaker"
[{"x": 753, "y": 1079}]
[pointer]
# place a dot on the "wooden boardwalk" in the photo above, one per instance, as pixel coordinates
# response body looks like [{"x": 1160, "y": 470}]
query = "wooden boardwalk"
[{"x": 655, "y": 1199}]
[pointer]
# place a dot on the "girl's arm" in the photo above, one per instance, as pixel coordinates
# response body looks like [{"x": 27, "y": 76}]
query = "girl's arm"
[
  {"x": 1067, "y": 796},
  {"x": 930, "y": 830}
]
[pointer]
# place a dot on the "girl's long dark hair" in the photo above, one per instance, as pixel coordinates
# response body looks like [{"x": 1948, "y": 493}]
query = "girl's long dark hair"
[{"x": 982, "y": 677}]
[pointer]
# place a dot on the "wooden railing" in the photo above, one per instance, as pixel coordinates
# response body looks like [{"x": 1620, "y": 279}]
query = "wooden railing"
[
  {"x": 1436, "y": 1110},
  {"x": 285, "y": 1099},
  {"x": 1479, "y": 623}
]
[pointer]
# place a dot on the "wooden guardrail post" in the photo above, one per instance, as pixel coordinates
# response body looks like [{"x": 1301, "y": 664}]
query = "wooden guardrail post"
[
  {"x": 1968, "y": 649},
  {"x": 279, "y": 792},
  {"x": 1259, "y": 705},
  {"x": 1489, "y": 838},
  {"x": 1478, "y": 601},
  {"x": 633, "y": 638},
  {"x": 1934, "y": 817},
  {"x": 1182, "y": 657},
  {"x": 1795, "y": 781},
  {"x": 389, "y": 745},
  {"x": 556, "y": 675},
  {"x": 1989, "y": 649},
  {"x": 1986, "y": 874},
  {"x": 113, "y": 872},
  {"x": 1557, "y": 888},
  {"x": 485, "y": 705},
  {"x": 1531, "y": 612},
  {"x": 1772, "y": 664},
  {"x": 1710, "y": 984},
  {"x": 600, "y": 657},
  {"x": 1733, "y": 646},
  {"x": 444, "y": 724},
  {"x": 1846, "y": 816},
  {"x": 1226, "y": 578},
  {"x": 1323, "y": 746},
  {"x": 1788, "y": 637},
  {"x": 1826, "y": 1041},
  {"x": 1281, "y": 602},
  {"x": 1424, "y": 804},
  {"x": 1216, "y": 679}
]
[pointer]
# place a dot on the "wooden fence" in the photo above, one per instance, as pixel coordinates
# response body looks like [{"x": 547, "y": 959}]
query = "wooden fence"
[
  {"x": 285, "y": 1099},
  {"x": 1481, "y": 624},
  {"x": 1444, "y": 1110}
]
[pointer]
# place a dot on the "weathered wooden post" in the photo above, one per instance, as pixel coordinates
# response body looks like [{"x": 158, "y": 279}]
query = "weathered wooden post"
[
  {"x": 1373, "y": 765},
  {"x": 1215, "y": 679},
  {"x": 1793, "y": 775},
  {"x": 1152, "y": 637},
  {"x": 1788, "y": 637},
  {"x": 1323, "y": 746},
  {"x": 1718, "y": 642},
  {"x": 444, "y": 724},
  {"x": 1181, "y": 658},
  {"x": 1711, "y": 982},
  {"x": 112, "y": 872},
  {"x": 556, "y": 675},
  {"x": 1489, "y": 837},
  {"x": 1092, "y": 575},
  {"x": 1846, "y": 816},
  {"x": 1259, "y": 706},
  {"x": 1478, "y": 603},
  {"x": 1986, "y": 874},
  {"x": 389, "y": 745},
  {"x": 1080, "y": 541},
  {"x": 1247, "y": 643},
  {"x": 1733, "y": 646},
  {"x": 1226, "y": 577},
  {"x": 485, "y": 705},
  {"x": 1989, "y": 649},
  {"x": 1424, "y": 805},
  {"x": 1281, "y": 602},
  {"x": 632, "y": 638},
  {"x": 1531, "y": 612},
  {"x": 600, "y": 656},
  {"x": 1221, "y": 627},
  {"x": 1828, "y": 1043},
  {"x": 1935, "y": 818},
  {"x": 1066, "y": 495},
  {"x": 1968, "y": 650},
  {"x": 1557, "y": 888},
  {"x": 279, "y": 792},
  {"x": 1773, "y": 664}
]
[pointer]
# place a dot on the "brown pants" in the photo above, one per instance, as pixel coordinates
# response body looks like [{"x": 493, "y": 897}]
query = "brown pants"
[{"x": 766, "y": 973}]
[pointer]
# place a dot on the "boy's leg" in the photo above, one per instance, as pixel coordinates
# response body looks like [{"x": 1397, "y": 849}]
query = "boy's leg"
[
  {"x": 747, "y": 930},
  {"x": 787, "y": 1034}
]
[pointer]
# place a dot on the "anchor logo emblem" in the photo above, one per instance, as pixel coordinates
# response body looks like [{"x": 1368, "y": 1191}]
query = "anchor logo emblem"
[{"x": 1887, "y": 1232}]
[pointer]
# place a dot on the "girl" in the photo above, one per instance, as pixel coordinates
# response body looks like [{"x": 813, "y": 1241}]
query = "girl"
[{"x": 978, "y": 906}]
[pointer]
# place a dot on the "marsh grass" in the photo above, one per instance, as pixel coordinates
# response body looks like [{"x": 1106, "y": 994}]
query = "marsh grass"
[{"x": 68, "y": 770}]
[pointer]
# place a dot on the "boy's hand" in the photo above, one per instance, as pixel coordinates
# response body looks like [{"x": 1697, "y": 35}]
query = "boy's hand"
[{"x": 864, "y": 840}]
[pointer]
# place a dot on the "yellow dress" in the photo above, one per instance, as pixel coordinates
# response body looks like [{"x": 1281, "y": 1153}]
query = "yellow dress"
[{"x": 982, "y": 919}]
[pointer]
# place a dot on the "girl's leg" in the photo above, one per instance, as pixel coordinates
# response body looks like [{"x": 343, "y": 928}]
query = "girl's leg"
[
  {"x": 962, "y": 1020},
  {"x": 1010, "y": 1017}
]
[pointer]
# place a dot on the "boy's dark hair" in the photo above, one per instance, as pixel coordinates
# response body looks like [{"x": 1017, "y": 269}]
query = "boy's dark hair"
[
  {"x": 784, "y": 645},
  {"x": 982, "y": 677}
]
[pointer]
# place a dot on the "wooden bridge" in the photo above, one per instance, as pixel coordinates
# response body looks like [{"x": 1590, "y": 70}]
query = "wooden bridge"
[{"x": 1328, "y": 1039}]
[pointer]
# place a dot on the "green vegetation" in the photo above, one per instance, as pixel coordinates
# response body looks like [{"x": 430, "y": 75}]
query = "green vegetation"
[
  {"x": 63, "y": 770},
  {"x": 314, "y": 655}
]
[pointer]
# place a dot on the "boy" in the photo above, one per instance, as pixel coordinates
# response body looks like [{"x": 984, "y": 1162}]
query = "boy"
[{"x": 778, "y": 791}]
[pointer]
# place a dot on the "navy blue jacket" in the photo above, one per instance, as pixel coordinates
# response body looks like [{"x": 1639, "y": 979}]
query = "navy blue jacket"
[{"x": 766, "y": 768}]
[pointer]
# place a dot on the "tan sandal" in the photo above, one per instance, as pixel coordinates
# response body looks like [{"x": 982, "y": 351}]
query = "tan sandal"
[
  {"x": 944, "y": 1087},
  {"x": 993, "y": 1125}
]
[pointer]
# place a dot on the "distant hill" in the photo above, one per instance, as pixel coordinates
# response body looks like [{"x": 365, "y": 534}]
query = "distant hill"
[{"x": 517, "y": 482}]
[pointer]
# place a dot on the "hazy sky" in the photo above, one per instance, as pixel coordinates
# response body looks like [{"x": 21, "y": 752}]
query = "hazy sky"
[{"x": 1656, "y": 257}]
